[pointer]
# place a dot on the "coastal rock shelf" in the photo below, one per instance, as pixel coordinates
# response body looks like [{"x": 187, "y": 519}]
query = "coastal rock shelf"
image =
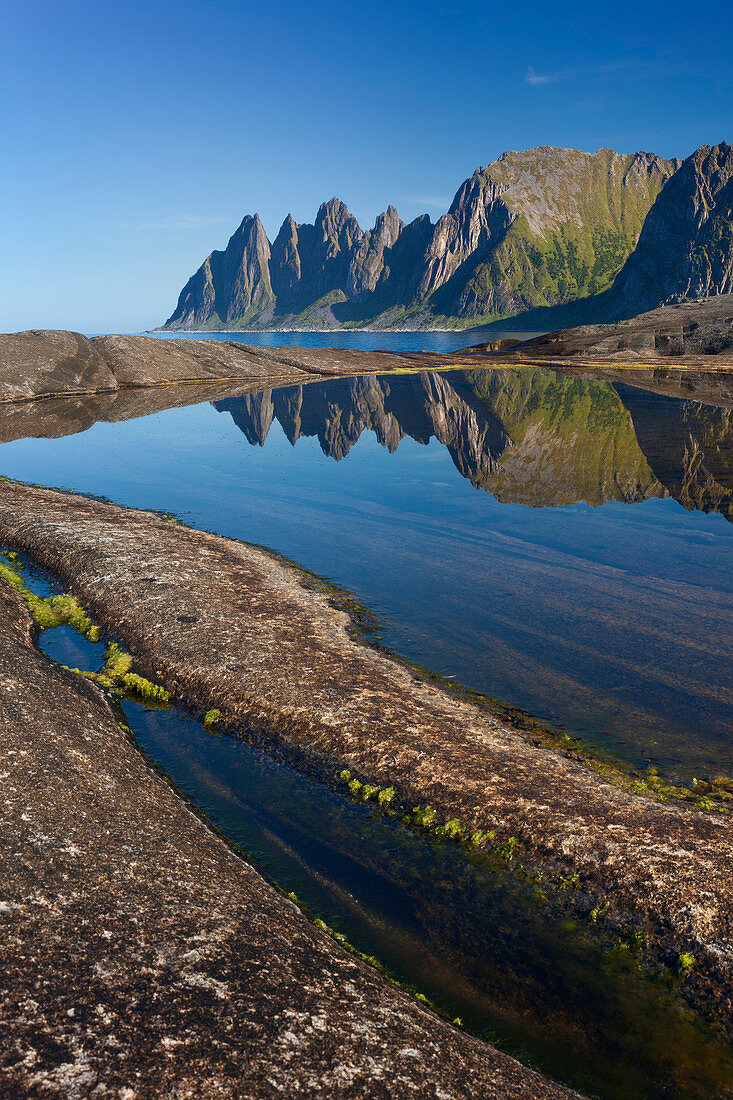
[
  {"x": 140, "y": 956},
  {"x": 683, "y": 335},
  {"x": 224, "y": 625},
  {"x": 51, "y": 363}
]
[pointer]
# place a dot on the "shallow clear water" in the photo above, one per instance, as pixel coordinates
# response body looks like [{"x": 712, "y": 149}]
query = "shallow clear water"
[
  {"x": 495, "y": 520},
  {"x": 469, "y": 935}
]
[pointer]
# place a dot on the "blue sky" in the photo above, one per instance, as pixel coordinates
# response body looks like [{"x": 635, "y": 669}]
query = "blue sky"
[{"x": 137, "y": 135}]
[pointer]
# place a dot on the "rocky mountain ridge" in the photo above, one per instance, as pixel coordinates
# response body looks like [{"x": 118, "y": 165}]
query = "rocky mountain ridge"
[{"x": 534, "y": 228}]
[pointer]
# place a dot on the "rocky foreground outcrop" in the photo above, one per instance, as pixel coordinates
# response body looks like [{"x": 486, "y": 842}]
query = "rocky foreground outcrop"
[
  {"x": 688, "y": 334},
  {"x": 54, "y": 363},
  {"x": 140, "y": 957},
  {"x": 190, "y": 604}
]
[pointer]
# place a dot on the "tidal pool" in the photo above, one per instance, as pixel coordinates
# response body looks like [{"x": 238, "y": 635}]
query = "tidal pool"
[{"x": 560, "y": 543}]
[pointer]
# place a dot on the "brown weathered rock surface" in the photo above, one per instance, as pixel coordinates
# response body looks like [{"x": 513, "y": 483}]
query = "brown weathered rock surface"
[
  {"x": 277, "y": 658},
  {"x": 139, "y": 957},
  {"x": 687, "y": 334},
  {"x": 52, "y": 364},
  {"x": 45, "y": 362}
]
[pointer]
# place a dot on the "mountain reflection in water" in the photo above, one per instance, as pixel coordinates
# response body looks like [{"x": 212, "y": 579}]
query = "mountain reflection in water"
[{"x": 532, "y": 437}]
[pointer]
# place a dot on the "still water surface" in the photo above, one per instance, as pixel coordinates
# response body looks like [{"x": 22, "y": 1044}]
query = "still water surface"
[
  {"x": 562, "y": 544},
  {"x": 397, "y": 342}
]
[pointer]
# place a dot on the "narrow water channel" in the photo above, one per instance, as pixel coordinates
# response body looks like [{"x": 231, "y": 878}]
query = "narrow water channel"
[{"x": 472, "y": 939}]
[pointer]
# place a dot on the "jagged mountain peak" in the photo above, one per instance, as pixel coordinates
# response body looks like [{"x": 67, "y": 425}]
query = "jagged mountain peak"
[
  {"x": 289, "y": 224},
  {"x": 370, "y": 261},
  {"x": 232, "y": 284},
  {"x": 388, "y": 223},
  {"x": 565, "y": 202},
  {"x": 335, "y": 212},
  {"x": 250, "y": 226},
  {"x": 332, "y": 205},
  {"x": 250, "y": 219},
  {"x": 536, "y": 227}
]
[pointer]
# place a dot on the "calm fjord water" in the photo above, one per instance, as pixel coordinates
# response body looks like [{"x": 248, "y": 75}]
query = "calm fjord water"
[{"x": 556, "y": 542}]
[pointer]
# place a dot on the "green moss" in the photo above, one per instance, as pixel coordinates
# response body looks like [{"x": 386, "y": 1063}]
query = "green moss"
[
  {"x": 480, "y": 837},
  {"x": 115, "y": 674},
  {"x": 117, "y": 663},
  {"x": 367, "y": 792},
  {"x": 637, "y": 940},
  {"x": 685, "y": 961},
  {"x": 424, "y": 817},
  {"x": 212, "y": 718},
  {"x": 508, "y": 849},
  {"x": 62, "y": 609},
  {"x": 13, "y": 578},
  {"x": 51, "y": 611},
  {"x": 145, "y": 689}
]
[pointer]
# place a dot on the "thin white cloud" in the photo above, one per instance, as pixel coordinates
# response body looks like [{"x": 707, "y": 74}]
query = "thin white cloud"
[
  {"x": 174, "y": 224},
  {"x": 575, "y": 72},
  {"x": 435, "y": 202},
  {"x": 537, "y": 80}
]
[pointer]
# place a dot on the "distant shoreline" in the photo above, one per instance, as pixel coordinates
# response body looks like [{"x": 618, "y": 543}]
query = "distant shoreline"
[{"x": 315, "y": 331}]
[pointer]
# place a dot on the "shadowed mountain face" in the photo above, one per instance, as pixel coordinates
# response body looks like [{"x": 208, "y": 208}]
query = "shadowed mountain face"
[
  {"x": 530, "y": 437},
  {"x": 686, "y": 246}
]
